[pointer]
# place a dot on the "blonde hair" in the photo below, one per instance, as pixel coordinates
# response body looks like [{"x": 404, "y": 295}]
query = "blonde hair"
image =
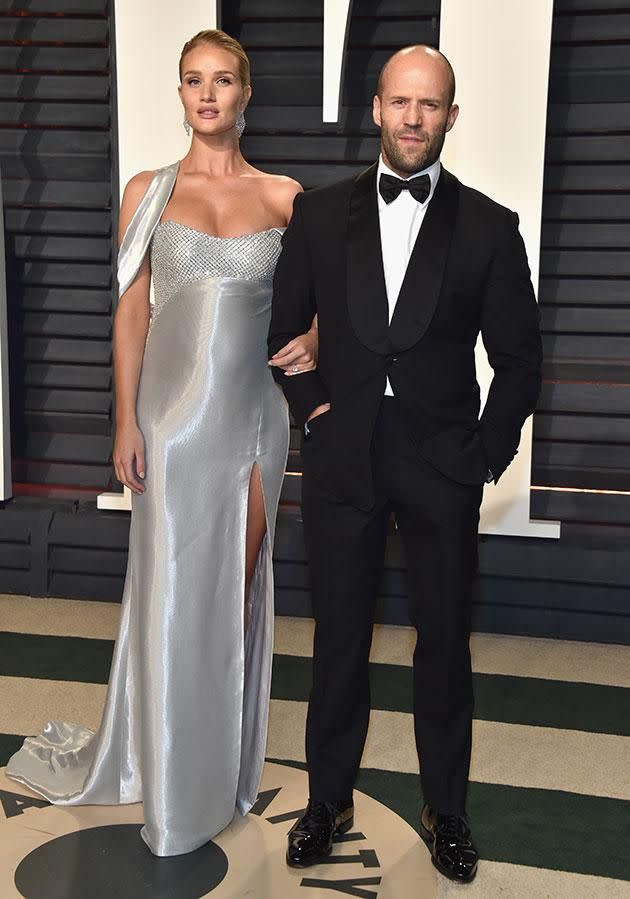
[{"x": 214, "y": 37}]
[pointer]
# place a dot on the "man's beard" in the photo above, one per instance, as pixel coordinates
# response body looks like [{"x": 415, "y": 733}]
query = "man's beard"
[{"x": 412, "y": 162}]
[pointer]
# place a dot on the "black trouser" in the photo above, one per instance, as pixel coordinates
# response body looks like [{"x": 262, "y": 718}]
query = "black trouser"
[{"x": 437, "y": 520}]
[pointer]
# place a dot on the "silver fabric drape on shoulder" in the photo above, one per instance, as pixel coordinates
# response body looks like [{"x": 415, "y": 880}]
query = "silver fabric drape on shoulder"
[
  {"x": 185, "y": 721},
  {"x": 138, "y": 235}
]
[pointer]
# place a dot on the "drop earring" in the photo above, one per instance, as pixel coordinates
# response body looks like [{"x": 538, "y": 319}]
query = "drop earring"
[
  {"x": 186, "y": 126},
  {"x": 240, "y": 124}
]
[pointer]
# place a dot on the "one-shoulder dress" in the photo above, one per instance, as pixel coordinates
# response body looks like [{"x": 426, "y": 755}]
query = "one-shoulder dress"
[{"x": 185, "y": 720}]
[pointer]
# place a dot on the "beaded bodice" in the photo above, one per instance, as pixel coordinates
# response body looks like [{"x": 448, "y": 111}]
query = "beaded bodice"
[{"x": 180, "y": 255}]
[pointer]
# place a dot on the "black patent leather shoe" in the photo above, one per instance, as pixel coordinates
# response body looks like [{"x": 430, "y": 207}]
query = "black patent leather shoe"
[
  {"x": 450, "y": 842},
  {"x": 311, "y": 838}
]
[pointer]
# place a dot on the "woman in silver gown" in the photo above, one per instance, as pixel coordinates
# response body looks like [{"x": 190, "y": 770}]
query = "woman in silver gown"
[{"x": 185, "y": 720}]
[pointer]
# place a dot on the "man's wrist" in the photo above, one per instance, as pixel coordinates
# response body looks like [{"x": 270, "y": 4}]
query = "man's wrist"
[{"x": 318, "y": 410}]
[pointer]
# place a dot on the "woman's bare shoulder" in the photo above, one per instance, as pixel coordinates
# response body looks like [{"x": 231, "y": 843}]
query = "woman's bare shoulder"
[
  {"x": 280, "y": 191},
  {"x": 283, "y": 185},
  {"x": 133, "y": 194},
  {"x": 137, "y": 186},
  {"x": 279, "y": 185}
]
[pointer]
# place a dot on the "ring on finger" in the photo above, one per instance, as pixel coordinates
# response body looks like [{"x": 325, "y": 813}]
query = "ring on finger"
[{"x": 295, "y": 368}]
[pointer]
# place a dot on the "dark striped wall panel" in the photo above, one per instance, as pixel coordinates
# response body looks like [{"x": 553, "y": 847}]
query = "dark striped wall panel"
[
  {"x": 56, "y": 165},
  {"x": 285, "y": 44},
  {"x": 582, "y": 429}
]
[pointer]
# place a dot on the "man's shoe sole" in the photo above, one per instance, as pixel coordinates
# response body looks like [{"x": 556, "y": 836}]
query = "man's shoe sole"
[{"x": 343, "y": 828}]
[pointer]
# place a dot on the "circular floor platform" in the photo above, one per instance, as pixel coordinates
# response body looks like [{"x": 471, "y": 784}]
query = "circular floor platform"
[{"x": 95, "y": 852}]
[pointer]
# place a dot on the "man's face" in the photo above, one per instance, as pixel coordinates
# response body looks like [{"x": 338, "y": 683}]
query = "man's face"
[{"x": 413, "y": 112}]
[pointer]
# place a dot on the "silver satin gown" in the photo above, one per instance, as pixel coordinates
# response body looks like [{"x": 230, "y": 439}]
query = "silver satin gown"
[{"x": 185, "y": 721}]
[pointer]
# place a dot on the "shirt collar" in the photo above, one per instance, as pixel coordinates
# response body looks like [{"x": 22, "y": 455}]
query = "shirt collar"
[{"x": 433, "y": 171}]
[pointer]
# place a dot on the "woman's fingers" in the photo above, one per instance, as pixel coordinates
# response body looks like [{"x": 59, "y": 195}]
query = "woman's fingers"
[
  {"x": 297, "y": 351},
  {"x": 298, "y": 363},
  {"x": 297, "y": 356},
  {"x": 126, "y": 465},
  {"x": 140, "y": 461},
  {"x": 280, "y": 357},
  {"x": 130, "y": 478},
  {"x": 301, "y": 369}
]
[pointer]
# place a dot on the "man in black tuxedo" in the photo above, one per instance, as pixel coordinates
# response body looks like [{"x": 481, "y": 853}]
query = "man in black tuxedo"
[{"x": 404, "y": 267}]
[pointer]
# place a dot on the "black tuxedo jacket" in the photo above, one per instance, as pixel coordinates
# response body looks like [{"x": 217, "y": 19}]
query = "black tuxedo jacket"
[{"x": 468, "y": 273}]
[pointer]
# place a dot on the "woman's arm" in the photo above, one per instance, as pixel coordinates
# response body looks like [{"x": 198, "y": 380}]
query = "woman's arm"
[
  {"x": 131, "y": 324},
  {"x": 292, "y": 313},
  {"x": 300, "y": 354}
]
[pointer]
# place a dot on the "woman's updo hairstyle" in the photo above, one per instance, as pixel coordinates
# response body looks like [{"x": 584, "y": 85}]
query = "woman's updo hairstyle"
[{"x": 214, "y": 37}]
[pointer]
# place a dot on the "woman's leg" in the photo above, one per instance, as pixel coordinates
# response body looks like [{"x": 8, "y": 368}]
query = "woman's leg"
[{"x": 256, "y": 528}]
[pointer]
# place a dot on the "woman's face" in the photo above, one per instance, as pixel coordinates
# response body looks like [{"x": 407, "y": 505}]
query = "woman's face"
[{"x": 211, "y": 90}]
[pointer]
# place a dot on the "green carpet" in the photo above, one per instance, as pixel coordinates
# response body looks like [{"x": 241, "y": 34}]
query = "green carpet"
[{"x": 543, "y": 828}]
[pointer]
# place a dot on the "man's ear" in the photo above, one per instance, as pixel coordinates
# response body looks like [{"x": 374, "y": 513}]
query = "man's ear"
[
  {"x": 452, "y": 116},
  {"x": 376, "y": 110}
]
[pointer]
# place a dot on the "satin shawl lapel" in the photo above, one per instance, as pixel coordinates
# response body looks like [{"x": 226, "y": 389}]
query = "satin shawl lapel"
[
  {"x": 421, "y": 286},
  {"x": 367, "y": 294},
  {"x": 137, "y": 238}
]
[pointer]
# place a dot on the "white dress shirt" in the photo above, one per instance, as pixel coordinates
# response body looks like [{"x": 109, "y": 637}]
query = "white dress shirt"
[{"x": 400, "y": 223}]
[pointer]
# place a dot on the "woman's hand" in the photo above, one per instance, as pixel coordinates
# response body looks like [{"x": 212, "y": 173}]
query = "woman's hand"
[
  {"x": 300, "y": 354},
  {"x": 129, "y": 457}
]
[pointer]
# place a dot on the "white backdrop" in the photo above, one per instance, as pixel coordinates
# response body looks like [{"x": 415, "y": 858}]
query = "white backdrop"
[
  {"x": 150, "y": 35},
  {"x": 336, "y": 26},
  {"x": 5, "y": 441},
  {"x": 500, "y": 54}
]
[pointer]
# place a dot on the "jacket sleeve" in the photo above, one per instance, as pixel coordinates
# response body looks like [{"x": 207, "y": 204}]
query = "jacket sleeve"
[
  {"x": 511, "y": 335},
  {"x": 292, "y": 312}
]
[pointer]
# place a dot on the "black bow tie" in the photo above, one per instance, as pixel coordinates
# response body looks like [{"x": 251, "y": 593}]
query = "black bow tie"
[{"x": 390, "y": 187}]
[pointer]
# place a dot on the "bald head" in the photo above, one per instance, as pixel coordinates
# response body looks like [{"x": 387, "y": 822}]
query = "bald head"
[
  {"x": 414, "y": 108},
  {"x": 419, "y": 56}
]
